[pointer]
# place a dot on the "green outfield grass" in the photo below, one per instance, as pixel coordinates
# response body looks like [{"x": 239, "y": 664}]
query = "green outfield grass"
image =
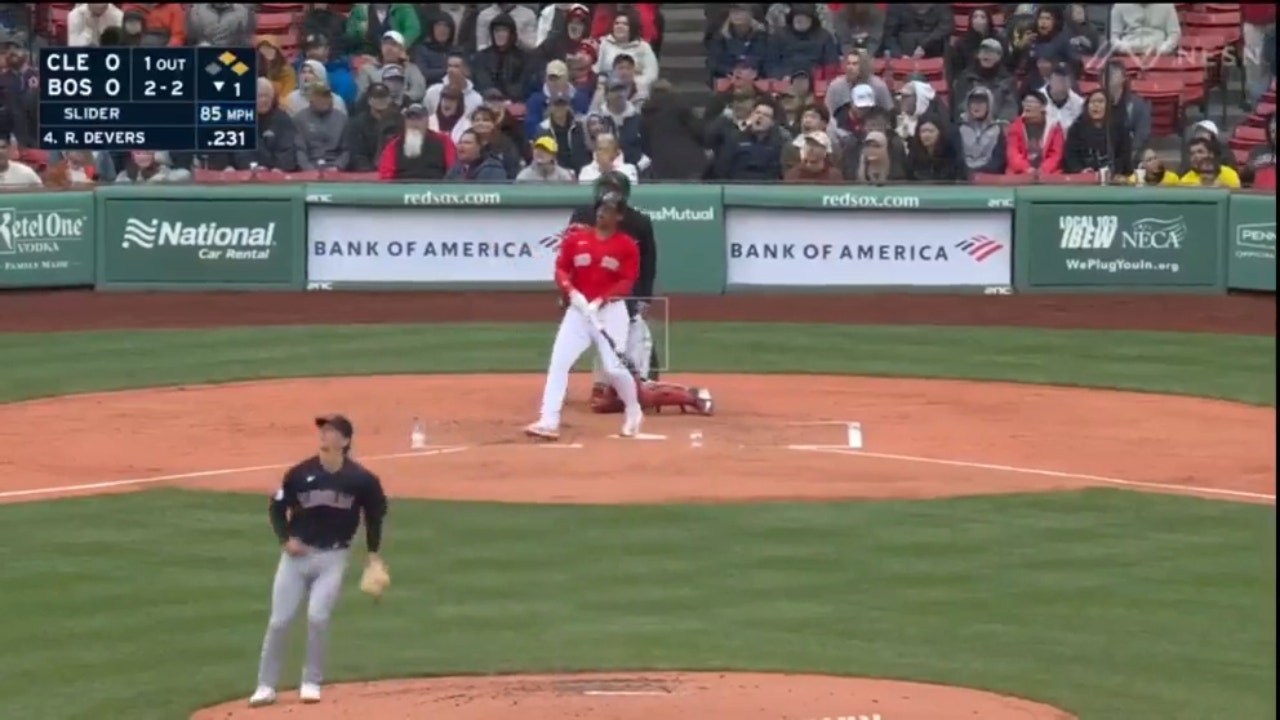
[{"x": 1114, "y": 605}]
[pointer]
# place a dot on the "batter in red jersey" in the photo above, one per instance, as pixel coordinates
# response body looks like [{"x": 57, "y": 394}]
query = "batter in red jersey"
[{"x": 596, "y": 268}]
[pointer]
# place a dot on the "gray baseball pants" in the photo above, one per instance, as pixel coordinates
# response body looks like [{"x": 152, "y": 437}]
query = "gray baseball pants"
[{"x": 320, "y": 573}]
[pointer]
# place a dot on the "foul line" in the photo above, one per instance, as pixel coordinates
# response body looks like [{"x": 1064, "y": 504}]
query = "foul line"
[
  {"x": 208, "y": 473},
  {"x": 839, "y": 450}
]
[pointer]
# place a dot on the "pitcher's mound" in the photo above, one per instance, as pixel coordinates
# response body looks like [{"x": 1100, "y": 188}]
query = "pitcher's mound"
[{"x": 644, "y": 696}]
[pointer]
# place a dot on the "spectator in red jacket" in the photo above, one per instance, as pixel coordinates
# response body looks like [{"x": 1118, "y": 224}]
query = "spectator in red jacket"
[
  {"x": 418, "y": 154},
  {"x": 602, "y": 21},
  {"x": 1034, "y": 145}
]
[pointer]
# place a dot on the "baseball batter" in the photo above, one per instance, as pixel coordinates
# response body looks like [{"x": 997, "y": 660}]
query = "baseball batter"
[
  {"x": 595, "y": 269},
  {"x": 315, "y": 514}
]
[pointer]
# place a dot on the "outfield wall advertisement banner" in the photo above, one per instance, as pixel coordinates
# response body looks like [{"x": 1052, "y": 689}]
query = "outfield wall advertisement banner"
[
  {"x": 1251, "y": 243},
  {"x": 442, "y": 245},
  {"x": 886, "y": 248},
  {"x": 46, "y": 239}
]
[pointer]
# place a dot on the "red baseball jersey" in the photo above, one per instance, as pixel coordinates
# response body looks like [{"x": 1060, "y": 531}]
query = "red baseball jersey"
[{"x": 599, "y": 268}]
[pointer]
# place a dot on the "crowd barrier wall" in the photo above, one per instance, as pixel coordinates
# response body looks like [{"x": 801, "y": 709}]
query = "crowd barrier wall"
[{"x": 712, "y": 239}]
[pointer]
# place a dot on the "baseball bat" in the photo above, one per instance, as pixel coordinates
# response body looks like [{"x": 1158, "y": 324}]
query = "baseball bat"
[{"x": 613, "y": 346}]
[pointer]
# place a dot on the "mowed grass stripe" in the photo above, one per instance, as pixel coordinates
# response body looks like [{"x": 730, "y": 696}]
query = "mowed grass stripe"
[
  {"x": 1230, "y": 367},
  {"x": 1107, "y": 603}
]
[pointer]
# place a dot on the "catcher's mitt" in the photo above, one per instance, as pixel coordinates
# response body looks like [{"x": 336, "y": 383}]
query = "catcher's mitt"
[{"x": 375, "y": 579}]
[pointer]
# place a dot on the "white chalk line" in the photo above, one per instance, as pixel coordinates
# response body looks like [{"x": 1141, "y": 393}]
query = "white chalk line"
[
  {"x": 1170, "y": 487},
  {"x": 61, "y": 489}
]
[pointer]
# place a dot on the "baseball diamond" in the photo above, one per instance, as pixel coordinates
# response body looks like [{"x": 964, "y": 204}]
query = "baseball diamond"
[{"x": 1017, "y": 550}]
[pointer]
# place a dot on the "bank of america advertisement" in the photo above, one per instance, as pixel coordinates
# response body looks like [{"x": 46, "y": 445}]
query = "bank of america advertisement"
[
  {"x": 830, "y": 248},
  {"x": 442, "y": 245}
]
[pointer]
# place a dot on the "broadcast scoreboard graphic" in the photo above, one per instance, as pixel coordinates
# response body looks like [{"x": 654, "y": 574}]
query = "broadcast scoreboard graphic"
[{"x": 201, "y": 99}]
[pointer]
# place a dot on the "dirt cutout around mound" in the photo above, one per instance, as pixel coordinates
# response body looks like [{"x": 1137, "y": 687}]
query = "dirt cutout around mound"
[{"x": 645, "y": 696}]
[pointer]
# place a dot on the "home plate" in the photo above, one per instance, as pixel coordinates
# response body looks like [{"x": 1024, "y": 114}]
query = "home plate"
[{"x": 641, "y": 436}]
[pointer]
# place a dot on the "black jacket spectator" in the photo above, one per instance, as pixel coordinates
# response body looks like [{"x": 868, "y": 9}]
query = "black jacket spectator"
[
  {"x": 1043, "y": 42},
  {"x": 964, "y": 52},
  {"x": 988, "y": 72},
  {"x": 328, "y": 24},
  {"x": 1098, "y": 139},
  {"x": 277, "y": 146},
  {"x": 741, "y": 40},
  {"x": 502, "y": 65},
  {"x": 439, "y": 38},
  {"x": 860, "y": 26},
  {"x": 754, "y": 153},
  {"x": 909, "y": 27},
  {"x": 717, "y": 13},
  {"x": 804, "y": 45},
  {"x": 671, "y": 136},
  {"x": 932, "y": 155},
  {"x": 368, "y": 134},
  {"x": 1081, "y": 32}
]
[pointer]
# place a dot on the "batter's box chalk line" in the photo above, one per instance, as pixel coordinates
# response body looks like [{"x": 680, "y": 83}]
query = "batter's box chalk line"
[
  {"x": 640, "y": 436},
  {"x": 853, "y": 432}
]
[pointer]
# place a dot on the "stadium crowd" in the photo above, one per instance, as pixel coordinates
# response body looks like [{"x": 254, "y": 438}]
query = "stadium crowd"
[{"x": 849, "y": 93}]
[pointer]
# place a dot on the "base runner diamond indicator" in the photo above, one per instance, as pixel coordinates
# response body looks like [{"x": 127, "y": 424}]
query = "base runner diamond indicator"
[
  {"x": 227, "y": 57},
  {"x": 213, "y": 68},
  {"x": 240, "y": 68}
]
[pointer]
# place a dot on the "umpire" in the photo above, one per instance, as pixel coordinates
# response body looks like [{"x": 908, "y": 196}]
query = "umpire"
[{"x": 640, "y": 346}]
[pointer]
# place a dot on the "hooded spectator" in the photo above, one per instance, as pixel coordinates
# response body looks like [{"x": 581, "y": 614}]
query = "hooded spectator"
[
  {"x": 777, "y": 18},
  {"x": 369, "y": 23},
  {"x": 874, "y": 163},
  {"x": 1135, "y": 109},
  {"x": 86, "y": 21},
  {"x": 813, "y": 119},
  {"x": 918, "y": 30},
  {"x": 1207, "y": 169},
  {"x": 1083, "y": 35},
  {"x": 150, "y": 167},
  {"x": 574, "y": 41},
  {"x": 860, "y": 26},
  {"x": 417, "y": 153},
  {"x": 376, "y": 125},
  {"x": 465, "y": 17},
  {"x": 716, "y": 14},
  {"x": 473, "y": 164},
  {"x": 671, "y": 136},
  {"x": 988, "y": 72},
  {"x": 932, "y": 156},
  {"x": 1203, "y": 130},
  {"x": 857, "y": 71},
  {"x": 624, "y": 118},
  {"x": 625, "y": 40},
  {"x": 503, "y": 64},
  {"x": 320, "y": 19},
  {"x": 322, "y": 132},
  {"x": 1064, "y": 105},
  {"x": 1034, "y": 144},
  {"x": 484, "y": 123},
  {"x": 545, "y": 167},
  {"x": 606, "y": 157},
  {"x": 337, "y": 70},
  {"x": 393, "y": 53},
  {"x": 1260, "y": 168},
  {"x": 981, "y": 137},
  {"x": 1145, "y": 28},
  {"x": 647, "y": 14},
  {"x": 74, "y": 168},
  {"x": 14, "y": 174},
  {"x": 964, "y": 52},
  {"x": 803, "y": 45},
  {"x": 221, "y": 24},
  {"x": 457, "y": 77},
  {"x": 915, "y": 100},
  {"x": 815, "y": 164},
  {"x": 313, "y": 73},
  {"x": 754, "y": 153},
  {"x": 162, "y": 20},
  {"x": 431, "y": 56},
  {"x": 450, "y": 117},
  {"x": 277, "y": 139},
  {"x": 557, "y": 84},
  {"x": 274, "y": 66},
  {"x": 1151, "y": 172},
  {"x": 559, "y": 123},
  {"x": 742, "y": 40},
  {"x": 1098, "y": 140},
  {"x": 1052, "y": 41},
  {"x": 525, "y": 20}
]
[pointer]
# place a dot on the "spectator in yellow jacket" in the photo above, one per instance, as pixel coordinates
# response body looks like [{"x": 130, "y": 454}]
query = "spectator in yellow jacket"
[
  {"x": 1207, "y": 169},
  {"x": 1151, "y": 172}
]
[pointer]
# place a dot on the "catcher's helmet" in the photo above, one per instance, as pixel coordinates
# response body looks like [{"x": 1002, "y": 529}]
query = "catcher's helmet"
[{"x": 613, "y": 181}]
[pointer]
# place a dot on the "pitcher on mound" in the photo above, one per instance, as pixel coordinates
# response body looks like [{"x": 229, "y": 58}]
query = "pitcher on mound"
[{"x": 596, "y": 268}]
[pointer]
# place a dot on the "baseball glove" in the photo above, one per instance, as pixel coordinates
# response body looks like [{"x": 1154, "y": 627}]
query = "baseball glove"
[{"x": 375, "y": 579}]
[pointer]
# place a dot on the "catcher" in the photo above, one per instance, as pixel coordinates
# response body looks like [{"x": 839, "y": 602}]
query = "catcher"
[{"x": 314, "y": 515}]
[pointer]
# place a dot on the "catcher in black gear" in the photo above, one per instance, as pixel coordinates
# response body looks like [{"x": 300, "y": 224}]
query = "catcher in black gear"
[{"x": 640, "y": 347}]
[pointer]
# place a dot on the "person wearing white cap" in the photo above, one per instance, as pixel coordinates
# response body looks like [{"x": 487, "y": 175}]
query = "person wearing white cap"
[
  {"x": 816, "y": 165},
  {"x": 857, "y": 71},
  {"x": 393, "y": 53},
  {"x": 368, "y": 23}
]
